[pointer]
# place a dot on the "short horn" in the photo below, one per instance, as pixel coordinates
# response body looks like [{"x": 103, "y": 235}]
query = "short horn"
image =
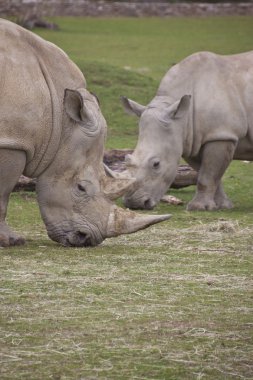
[
  {"x": 111, "y": 173},
  {"x": 115, "y": 188},
  {"x": 123, "y": 221}
]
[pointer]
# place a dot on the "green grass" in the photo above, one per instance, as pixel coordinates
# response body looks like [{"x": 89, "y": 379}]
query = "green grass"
[
  {"x": 173, "y": 302},
  {"x": 109, "y": 83},
  {"x": 149, "y": 45},
  {"x": 130, "y": 56}
]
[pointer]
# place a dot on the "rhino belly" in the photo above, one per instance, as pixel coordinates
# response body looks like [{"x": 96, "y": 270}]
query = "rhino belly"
[{"x": 244, "y": 150}]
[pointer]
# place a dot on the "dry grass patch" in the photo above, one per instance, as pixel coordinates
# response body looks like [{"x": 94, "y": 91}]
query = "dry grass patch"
[{"x": 167, "y": 303}]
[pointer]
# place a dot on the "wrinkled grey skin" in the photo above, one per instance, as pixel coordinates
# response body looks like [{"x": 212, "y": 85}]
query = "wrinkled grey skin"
[
  {"x": 70, "y": 193},
  {"x": 52, "y": 128},
  {"x": 203, "y": 112}
]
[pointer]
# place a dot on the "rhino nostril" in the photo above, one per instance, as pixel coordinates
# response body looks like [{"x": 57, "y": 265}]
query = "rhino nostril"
[
  {"x": 83, "y": 238},
  {"x": 126, "y": 202},
  {"x": 148, "y": 204}
]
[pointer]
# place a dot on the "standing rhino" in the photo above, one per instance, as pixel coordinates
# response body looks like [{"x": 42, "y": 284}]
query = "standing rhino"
[
  {"x": 203, "y": 112},
  {"x": 51, "y": 128}
]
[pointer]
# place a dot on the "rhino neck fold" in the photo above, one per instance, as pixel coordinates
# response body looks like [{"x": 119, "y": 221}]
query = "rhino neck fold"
[
  {"x": 46, "y": 153},
  {"x": 188, "y": 132}
]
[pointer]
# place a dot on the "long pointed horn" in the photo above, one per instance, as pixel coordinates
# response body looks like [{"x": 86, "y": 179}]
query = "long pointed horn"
[{"x": 123, "y": 221}]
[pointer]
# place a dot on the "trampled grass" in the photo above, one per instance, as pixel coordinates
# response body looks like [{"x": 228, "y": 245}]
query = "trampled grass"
[{"x": 173, "y": 302}]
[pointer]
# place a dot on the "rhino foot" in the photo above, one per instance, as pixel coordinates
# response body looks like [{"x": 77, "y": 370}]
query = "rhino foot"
[
  {"x": 195, "y": 205},
  {"x": 8, "y": 238},
  {"x": 224, "y": 204}
]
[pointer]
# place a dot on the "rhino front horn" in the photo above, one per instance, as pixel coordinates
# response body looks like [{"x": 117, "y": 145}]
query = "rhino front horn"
[{"x": 123, "y": 221}]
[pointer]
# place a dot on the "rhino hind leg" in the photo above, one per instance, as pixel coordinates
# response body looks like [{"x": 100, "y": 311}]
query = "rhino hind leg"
[
  {"x": 215, "y": 158},
  {"x": 12, "y": 164}
]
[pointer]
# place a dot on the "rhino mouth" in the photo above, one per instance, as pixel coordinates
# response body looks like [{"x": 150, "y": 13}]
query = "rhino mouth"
[
  {"x": 78, "y": 238},
  {"x": 143, "y": 202}
]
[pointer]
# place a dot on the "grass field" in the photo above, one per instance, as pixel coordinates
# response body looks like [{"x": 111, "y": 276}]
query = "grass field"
[
  {"x": 171, "y": 303},
  {"x": 130, "y": 56}
]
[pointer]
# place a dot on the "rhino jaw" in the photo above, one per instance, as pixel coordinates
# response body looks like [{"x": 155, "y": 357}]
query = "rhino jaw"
[{"x": 126, "y": 222}]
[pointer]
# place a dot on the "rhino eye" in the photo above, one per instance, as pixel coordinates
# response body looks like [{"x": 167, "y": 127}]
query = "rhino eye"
[
  {"x": 81, "y": 188},
  {"x": 156, "y": 164}
]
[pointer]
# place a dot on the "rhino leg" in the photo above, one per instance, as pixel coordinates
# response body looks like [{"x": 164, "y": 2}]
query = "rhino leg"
[
  {"x": 12, "y": 164},
  {"x": 221, "y": 199},
  {"x": 215, "y": 158}
]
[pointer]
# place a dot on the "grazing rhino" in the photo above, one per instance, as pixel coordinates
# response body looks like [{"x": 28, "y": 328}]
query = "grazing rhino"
[
  {"x": 203, "y": 112},
  {"x": 51, "y": 128}
]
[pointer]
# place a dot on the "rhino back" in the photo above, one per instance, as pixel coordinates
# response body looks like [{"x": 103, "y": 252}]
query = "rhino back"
[
  {"x": 33, "y": 76},
  {"x": 222, "y": 92}
]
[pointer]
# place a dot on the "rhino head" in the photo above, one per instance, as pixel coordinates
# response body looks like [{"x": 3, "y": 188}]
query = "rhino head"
[
  {"x": 74, "y": 194},
  {"x": 158, "y": 151}
]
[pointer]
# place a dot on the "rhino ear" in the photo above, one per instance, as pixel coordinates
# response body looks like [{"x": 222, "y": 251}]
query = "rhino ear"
[
  {"x": 180, "y": 107},
  {"x": 132, "y": 107},
  {"x": 73, "y": 104},
  {"x": 82, "y": 107}
]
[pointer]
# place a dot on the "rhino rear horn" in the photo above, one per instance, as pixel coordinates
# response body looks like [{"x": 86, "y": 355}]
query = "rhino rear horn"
[{"x": 126, "y": 222}]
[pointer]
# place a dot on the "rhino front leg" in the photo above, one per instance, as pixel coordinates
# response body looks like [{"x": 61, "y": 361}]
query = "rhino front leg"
[
  {"x": 12, "y": 164},
  {"x": 221, "y": 199},
  {"x": 215, "y": 158}
]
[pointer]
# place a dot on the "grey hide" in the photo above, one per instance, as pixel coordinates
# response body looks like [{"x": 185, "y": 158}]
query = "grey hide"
[
  {"x": 52, "y": 128},
  {"x": 203, "y": 112}
]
